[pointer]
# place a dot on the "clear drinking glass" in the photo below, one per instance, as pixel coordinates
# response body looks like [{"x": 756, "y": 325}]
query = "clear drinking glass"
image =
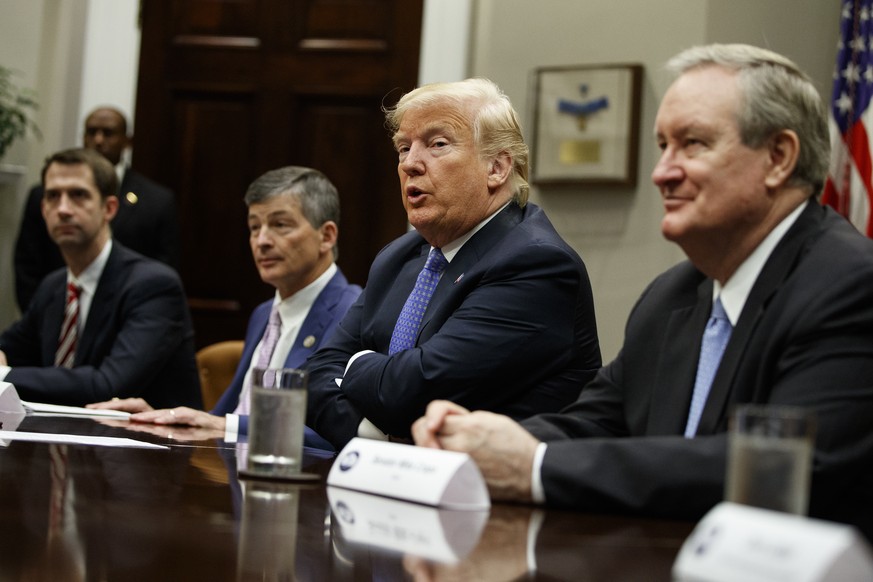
[
  {"x": 276, "y": 422},
  {"x": 770, "y": 457}
]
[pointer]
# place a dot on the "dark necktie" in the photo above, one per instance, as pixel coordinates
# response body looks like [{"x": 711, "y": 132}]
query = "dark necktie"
[
  {"x": 406, "y": 329},
  {"x": 66, "y": 353},
  {"x": 715, "y": 338}
]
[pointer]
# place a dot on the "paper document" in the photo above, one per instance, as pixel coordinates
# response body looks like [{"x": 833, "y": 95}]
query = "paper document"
[
  {"x": 40, "y": 437},
  {"x": 73, "y": 410}
]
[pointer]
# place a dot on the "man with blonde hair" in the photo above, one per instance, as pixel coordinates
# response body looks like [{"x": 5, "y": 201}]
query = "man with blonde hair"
[
  {"x": 774, "y": 304},
  {"x": 483, "y": 304}
]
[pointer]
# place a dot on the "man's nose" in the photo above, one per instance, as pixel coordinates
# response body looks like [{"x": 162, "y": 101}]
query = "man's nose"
[
  {"x": 64, "y": 203},
  {"x": 666, "y": 170},
  {"x": 411, "y": 163}
]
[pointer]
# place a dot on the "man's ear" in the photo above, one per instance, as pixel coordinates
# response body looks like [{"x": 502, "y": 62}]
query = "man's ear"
[
  {"x": 110, "y": 207},
  {"x": 499, "y": 170},
  {"x": 329, "y": 233},
  {"x": 783, "y": 149}
]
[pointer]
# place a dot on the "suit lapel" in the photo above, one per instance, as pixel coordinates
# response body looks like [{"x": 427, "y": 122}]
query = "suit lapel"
[
  {"x": 674, "y": 377},
  {"x": 314, "y": 327},
  {"x": 777, "y": 268},
  {"x": 55, "y": 315},
  {"x": 101, "y": 305},
  {"x": 467, "y": 258}
]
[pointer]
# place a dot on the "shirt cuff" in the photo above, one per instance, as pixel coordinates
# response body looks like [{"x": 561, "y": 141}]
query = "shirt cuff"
[
  {"x": 3, "y": 371},
  {"x": 368, "y": 430},
  {"x": 231, "y": 428},
  {"x": 339, "y": 381},
  {"x": 536, "y": 477}
]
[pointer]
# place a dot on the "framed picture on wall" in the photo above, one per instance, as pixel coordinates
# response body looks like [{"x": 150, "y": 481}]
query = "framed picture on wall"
[{"x": 586, "y": 125}]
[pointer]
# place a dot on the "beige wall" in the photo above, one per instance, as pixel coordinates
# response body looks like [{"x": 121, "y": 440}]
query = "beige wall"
[
  {"x": 71, "y": 70},
  {"x": 617, "y": 232}
]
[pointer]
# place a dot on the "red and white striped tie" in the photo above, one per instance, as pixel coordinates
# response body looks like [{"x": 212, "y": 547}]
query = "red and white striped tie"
[{"x": 67, "y": 341}]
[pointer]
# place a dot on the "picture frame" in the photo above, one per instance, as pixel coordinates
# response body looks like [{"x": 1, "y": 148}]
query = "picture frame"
[{"x": 586, "y": 123}]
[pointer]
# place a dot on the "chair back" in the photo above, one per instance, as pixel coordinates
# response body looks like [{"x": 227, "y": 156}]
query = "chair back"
[{"x": 217, "y": 364}]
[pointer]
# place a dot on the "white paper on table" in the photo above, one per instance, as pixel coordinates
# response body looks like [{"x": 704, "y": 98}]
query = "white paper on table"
[
  {"x": 41, "y": 408},
  {"x": 73, "y": 439}
]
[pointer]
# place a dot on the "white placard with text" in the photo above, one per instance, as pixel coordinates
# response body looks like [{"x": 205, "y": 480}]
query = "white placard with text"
[
  {"x": 429, "y": 476},
  {"x": 738, "y": 542}
]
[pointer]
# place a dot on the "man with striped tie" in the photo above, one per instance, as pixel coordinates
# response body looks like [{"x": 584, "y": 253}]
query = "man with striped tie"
[{"x": 111, "y": 323}]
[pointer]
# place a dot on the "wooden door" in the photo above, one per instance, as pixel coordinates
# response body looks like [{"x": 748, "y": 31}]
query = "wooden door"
[{"x": 229, "y": 89}]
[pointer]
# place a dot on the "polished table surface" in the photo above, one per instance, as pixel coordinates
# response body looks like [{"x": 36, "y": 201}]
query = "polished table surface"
[{"x": 78, "y": 512}]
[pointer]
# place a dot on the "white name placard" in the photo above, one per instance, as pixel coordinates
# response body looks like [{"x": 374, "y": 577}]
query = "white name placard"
[
  {"x": 429, "y": 476},
  {"x": 11, "y": 410},
  {"x": 737, "y": 542},
  {"x": 442, "y": 535},
  {"x": 9, "y": 400}
]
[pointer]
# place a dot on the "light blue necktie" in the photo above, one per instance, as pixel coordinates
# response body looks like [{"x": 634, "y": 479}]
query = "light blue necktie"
[
  {"x": 406, "y": 329},
  {"x": 715, "y": 338}
]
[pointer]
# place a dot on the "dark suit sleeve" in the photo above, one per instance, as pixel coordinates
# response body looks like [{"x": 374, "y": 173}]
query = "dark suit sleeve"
[
  {"x": 515, "y": 328},
  {"x": 36, "y": 255},
  {"x": 145, "y": 328}
]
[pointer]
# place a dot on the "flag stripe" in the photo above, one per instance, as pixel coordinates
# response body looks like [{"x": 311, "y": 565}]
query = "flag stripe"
[{"x": 849, "y": 187}]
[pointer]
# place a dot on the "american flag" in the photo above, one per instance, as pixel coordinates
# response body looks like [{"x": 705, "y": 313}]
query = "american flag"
[{"x": 849, "y": 189}]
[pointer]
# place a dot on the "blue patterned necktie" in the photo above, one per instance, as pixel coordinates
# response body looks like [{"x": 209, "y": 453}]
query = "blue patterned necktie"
[
  {"x": 406, "y": 329},
  {"x": 715, "y": 338}
]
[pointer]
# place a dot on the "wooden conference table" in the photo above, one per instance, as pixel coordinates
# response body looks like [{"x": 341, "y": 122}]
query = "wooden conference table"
[{"x": 77, "y": 512}]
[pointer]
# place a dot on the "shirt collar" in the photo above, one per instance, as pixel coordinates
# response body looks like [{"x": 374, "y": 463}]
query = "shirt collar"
[
  {"x": 736, "y": 290},
  {"x": 120, "y": 169},
  {"x": 451, "y": 249},
  {"x": 305, "y": 297},
  {"x": 90, "y": 276}
]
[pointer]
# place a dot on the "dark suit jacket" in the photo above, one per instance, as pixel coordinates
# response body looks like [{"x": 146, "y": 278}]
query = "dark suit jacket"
[
  {"x": 510, "y": 328},
  {"x": 329, "y": 308},
  {"x": 804, "y": 337},
  {"x": 150, "y": 227},
  {"x": 137, "y": 340}
]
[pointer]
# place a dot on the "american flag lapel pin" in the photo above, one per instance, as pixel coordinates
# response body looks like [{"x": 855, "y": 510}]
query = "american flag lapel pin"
[{"x": 458, "y": 280}]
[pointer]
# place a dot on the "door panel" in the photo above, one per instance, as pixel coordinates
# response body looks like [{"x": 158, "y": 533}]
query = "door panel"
[{"x": 229, "y": 89}]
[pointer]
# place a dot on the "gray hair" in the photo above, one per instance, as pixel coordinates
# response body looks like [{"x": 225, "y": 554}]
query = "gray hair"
[
  {"x": 495, "y": 124},
  {"x": 776, "y": 95},
  {"x": 318, "y": 197}
]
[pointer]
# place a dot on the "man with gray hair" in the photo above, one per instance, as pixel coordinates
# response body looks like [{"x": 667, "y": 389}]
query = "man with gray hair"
[
  {"x": 293, "y": 219},
  {"x": 483, "y": 304},
  {"x": 744, "y": 148}
]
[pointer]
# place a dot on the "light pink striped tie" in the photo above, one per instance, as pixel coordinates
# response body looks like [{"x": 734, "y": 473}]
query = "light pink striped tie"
[
  {"x": 66, "y": 353},
  {"x": 265, "y": 354}
]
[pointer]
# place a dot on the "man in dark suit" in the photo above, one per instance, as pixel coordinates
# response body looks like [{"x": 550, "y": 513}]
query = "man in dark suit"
[
  {"x": 112, "y": 323},
  {"x": 744, "y": 141},
  {"x": 146, "y": 221},
  {"x": 293, "y": 221},
  {"x": 510, "y": 326}
]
